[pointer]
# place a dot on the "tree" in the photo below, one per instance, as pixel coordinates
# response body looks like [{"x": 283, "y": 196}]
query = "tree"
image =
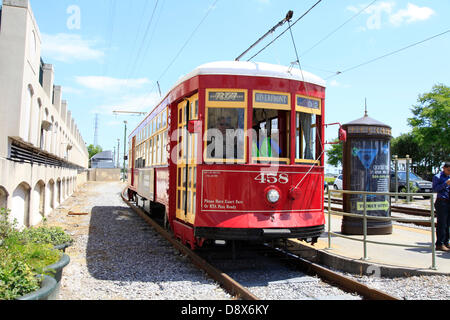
[
  {"x": 93, "y": 150},
  {"x": 406, "y": 144},
  {"x": 431, "y": 126},
  {"x": 334, "y": 154}
]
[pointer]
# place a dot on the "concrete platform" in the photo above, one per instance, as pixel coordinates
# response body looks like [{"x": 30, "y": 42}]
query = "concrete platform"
[{"x": 383, "y": 260}]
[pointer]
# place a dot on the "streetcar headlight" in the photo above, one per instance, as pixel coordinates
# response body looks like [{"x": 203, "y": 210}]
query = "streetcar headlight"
[{"x": 273, "y": 196}]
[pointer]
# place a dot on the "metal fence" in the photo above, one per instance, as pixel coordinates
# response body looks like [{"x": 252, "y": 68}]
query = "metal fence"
[{"x": 365, "y": 217}]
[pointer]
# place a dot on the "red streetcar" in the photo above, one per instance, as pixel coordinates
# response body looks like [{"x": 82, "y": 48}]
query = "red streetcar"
[{"x": 235, "y": 151}]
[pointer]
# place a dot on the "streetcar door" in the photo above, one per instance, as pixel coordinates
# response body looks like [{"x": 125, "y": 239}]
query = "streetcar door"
[
  {"x": 187, "y": 161},
  {"x": 131, "y": 161}
]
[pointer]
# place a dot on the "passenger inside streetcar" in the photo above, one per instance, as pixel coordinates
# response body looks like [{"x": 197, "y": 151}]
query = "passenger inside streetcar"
[{"x": 225, "y": 134}]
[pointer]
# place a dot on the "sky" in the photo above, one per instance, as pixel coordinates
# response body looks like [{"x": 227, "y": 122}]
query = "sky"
[{"x": 109, "y": 54}]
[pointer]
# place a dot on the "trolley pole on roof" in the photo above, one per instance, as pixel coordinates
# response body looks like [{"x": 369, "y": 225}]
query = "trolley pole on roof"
[
  {"x": 288, "y": 17},
  {"x": 131, "y": 112}
]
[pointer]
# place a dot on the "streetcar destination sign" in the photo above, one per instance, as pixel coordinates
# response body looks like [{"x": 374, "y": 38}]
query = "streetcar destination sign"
[
  {"x": 308, "y": 103},
  {"x": 226, "y": 96},
  {"x": 271, "y": 98}
]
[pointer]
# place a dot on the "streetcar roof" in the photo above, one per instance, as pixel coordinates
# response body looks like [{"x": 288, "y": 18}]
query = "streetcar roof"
[
  {"x": 245, "y": 68},
  {"x": 255, "y": 69}
]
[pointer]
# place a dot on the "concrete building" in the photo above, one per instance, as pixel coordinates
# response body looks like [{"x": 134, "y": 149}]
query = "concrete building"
[{"x": 42, "y": 154}]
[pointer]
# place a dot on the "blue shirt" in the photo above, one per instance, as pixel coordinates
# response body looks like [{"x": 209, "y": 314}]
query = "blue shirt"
[{"x": 440, "y": 186}]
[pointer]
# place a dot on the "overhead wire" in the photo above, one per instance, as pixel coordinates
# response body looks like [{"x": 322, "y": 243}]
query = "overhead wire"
[
  {"x": 298, "y": 59},
  {"x": 149, "y": 42},
  {"x": 189, "y": 39},
  {"x": 144, "y": 10},
  {"x": 110, "y": 29},
  {"x": 147, "y": 30},
  {"x": 388, "y": 54},
  {"x": 338, "y": 28},
  {"x": 301, "y": 17},
  {"x": 181, "y": 49}
]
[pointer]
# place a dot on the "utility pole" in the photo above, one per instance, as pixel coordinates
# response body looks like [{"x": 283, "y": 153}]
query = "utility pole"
[
  {"x": 96, "y": 131},
  {"x": 125, "y": 135},
  {"x": 124, "y": 148},
  {"x": 118, "y": 153}
]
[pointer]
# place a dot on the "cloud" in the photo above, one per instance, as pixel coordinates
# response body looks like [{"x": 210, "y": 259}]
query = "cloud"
[
  {"x": 71, "y": 90},
  {"x": 412, "y": 13},
  {"x": 110, "y": 84},
  {"x": 133, "y": 103},
  {"x": 334, "y": 83},
  {"x": 70, "y": 48}
]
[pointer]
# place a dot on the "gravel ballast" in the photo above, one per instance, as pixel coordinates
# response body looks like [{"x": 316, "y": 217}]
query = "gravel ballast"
[{"x": 117, "y": 256}]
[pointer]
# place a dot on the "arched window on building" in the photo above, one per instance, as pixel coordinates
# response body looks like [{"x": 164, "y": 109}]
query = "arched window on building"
[
  {"x": 26, "y": 111},
  {"x": 46, "y": 127},
  {"x": 52, "y": 135},
  {"x": 20, "y": 205},
  {"x": 34, "y": 122},
  {"x": 63, "y": 190},
  {"x": 58, "y": 192},
  {"x": 51, "y": 195},
  {"x": 39, "y": 198}
]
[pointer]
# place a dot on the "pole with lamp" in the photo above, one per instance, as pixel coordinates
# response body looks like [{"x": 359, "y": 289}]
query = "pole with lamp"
[
  {"x": 124, "y": 149},
  {"x": 125, "y": 135}
]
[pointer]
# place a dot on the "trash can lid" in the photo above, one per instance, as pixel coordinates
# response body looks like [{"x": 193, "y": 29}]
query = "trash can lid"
[
  {"x": 367, "y": 126},
  {"x": 367, "y": 121}
]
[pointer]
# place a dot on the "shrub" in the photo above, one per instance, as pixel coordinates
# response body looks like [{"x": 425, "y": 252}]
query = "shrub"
[
  {"x": 36, "y": 255},
  {"x": 16, "y": 279},
  {"x": 46, "y": 235},
  {"x": 6, "y": 226},
  {"x": 26, "y": 254}
]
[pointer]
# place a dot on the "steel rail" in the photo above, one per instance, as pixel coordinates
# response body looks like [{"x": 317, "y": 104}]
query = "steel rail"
[
  {"x": 228, "y": 283},
  {"x": 343, "y": 282}
]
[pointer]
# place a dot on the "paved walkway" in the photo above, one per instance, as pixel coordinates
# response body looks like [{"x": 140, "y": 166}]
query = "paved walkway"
[{"x": 394, "y": 257}]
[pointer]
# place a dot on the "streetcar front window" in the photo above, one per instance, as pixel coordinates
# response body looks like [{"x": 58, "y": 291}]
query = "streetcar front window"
[
  {"x": 270, "y": 135},
  {"x": 225, "y": 134}
]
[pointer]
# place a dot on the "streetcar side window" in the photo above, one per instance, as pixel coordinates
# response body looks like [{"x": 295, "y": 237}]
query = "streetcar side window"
[
  {"x": 305, "y": 136},
  {"x": 195, "y": 110},
  {"x": 309, "y": 110},
  {"x": 164, "y": 118},
  {"x": 225, "y": 134}
]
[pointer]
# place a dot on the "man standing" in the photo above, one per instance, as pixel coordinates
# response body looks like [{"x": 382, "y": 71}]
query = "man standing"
[{"x": 441, "y": 185}]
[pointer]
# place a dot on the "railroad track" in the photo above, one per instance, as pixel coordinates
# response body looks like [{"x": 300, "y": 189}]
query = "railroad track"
[
  {"x": 240, "y": 291},
  {"x": 274, "y": 271}
]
